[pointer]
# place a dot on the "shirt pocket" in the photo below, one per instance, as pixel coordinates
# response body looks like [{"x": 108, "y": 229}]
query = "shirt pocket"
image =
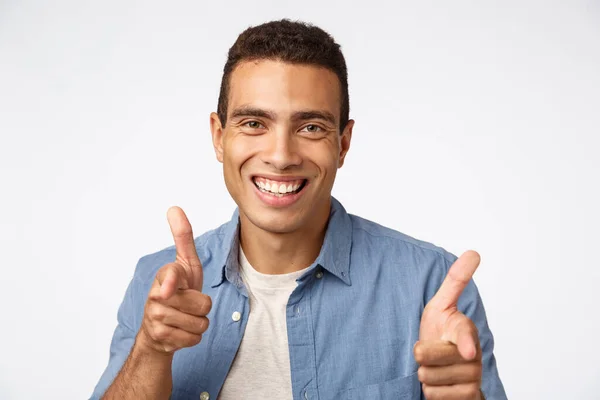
[{"x": 403, "y": 388}]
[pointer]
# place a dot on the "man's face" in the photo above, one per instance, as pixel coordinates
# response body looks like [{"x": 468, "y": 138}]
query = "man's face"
[{"x": 281, "y": 146}]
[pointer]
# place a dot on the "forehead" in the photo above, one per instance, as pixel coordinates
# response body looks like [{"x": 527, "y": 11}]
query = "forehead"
[{"x": 283, "y": 87}]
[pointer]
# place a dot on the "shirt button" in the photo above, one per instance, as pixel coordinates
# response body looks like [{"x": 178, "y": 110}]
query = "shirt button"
[
  {"x": 319, "y": 275},
  {"x": 204, "y": 396},
  {"x": 236, "y": 316}
]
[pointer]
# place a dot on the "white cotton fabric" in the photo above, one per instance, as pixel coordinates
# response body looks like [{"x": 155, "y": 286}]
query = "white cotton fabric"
[{"x": 261, "y": 368}]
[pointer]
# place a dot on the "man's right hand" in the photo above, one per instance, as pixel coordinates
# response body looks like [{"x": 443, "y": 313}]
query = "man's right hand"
[{"x": 176, "y": 309}]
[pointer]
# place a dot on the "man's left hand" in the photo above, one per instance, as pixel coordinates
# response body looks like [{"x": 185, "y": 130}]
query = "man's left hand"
[{"x": 448, "y": 349}]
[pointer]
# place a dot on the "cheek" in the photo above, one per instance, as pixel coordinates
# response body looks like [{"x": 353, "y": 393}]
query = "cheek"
[
  {"x": 325, "y": 156},
  {"x": 238, "y": 154}
]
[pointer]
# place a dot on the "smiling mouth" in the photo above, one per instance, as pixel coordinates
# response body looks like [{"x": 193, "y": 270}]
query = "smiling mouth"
[{"x": 279, "y": 188}]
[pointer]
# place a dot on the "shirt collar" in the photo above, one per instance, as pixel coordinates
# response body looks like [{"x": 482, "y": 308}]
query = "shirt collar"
[{"x": 333, "y": 257}]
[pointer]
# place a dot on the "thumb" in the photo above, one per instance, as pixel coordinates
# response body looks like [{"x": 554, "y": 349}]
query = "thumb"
[
  {"x": 184, "y": 244},
  {"x": 459, "y": 275}
]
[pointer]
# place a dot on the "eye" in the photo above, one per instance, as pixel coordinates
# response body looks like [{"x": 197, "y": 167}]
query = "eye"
[
  {"x": 253, "y": 125},
  {"x": 312, "y": 128}
]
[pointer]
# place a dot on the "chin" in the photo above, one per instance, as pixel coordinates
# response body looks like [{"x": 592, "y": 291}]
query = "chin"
[{"x": 280, "y": 224}]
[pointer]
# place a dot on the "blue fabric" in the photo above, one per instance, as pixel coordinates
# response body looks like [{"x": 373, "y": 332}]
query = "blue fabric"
[{"x": 351, "y": 333}]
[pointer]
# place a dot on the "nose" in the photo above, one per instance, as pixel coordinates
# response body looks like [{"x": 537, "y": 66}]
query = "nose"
[{"x": 281, "y": 151}]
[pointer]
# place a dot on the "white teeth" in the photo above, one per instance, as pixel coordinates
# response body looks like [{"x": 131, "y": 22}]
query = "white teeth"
[{"x": 276, "y": 189}]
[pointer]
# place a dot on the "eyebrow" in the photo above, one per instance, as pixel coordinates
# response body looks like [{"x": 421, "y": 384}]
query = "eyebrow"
[
  {"x": 252, "y": 112},
  {"x": 247, "y": 111},
  {"x": 314, "y": 114}
]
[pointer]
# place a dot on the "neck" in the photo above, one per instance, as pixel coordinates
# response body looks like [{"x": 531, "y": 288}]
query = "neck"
[{"x": 282, "y": 253}]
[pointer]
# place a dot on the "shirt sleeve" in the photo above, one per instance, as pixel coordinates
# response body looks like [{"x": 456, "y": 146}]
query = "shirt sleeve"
[
  {"x": 122, "y": 340},
  {"x": 471, "y": 305}
]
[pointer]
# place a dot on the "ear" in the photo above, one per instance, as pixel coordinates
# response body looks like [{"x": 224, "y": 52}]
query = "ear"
[
  {"x": 345, "y": 139},
  {"x": 217, "y": 135}
]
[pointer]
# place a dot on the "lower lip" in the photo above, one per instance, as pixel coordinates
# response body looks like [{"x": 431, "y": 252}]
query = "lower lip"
[{"x": 276, "y": 201}]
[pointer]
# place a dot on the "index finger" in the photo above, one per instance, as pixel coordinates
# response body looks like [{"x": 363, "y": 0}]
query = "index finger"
[
  {"x": 170, "y": 278},
  {"x": 459, "y": 275},
  {"x": 183, "y": 236}
]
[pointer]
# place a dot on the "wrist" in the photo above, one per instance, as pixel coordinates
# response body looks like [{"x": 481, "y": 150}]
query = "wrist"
[{"x": 143, "y": 348}]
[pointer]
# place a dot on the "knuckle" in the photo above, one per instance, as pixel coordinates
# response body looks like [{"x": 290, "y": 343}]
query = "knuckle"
[
  {"x": 156, "y": 313},
  {"x": 422, "y": 374},
  {"x": 204, "y": 323},
  {"x": 154, "y": 293},
  {"x": 203, "y": 304},
  {"x": 174, "y": 266},
  {"x": 419, "y": 354},
  {"x": 160, "y": 275},
  {"x": 163, "y": 270},
  {"x": 197, "y": 325},
  {"x": 195, "y": 340},
  {"x": 161, "y": 333},
  {"x": 190, "y": 340},
  {"x": 207, "y": 305},
  {"x": 168, "y": 348}
]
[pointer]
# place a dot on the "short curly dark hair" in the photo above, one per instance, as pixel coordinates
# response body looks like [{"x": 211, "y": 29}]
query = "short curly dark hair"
[{"x": 288, "y": 41}]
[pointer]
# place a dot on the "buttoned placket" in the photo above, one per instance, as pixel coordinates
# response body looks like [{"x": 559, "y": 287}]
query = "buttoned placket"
[
  {"x": 228, "y": 338},
  {"x": 301, "y": 337}
]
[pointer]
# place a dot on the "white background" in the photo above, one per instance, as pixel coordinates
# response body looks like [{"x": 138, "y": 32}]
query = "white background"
[{"x": 477, "y": 126}]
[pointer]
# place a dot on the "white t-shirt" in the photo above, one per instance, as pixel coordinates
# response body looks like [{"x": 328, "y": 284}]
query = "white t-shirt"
[{"x": 261, "y": 367}]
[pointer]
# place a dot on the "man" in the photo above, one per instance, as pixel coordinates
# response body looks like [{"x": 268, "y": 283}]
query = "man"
[{"x": 304, "y": 300}]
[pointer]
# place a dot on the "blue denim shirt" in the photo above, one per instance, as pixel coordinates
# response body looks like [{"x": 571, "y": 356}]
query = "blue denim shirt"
[{"x": 351, "y": 327}]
